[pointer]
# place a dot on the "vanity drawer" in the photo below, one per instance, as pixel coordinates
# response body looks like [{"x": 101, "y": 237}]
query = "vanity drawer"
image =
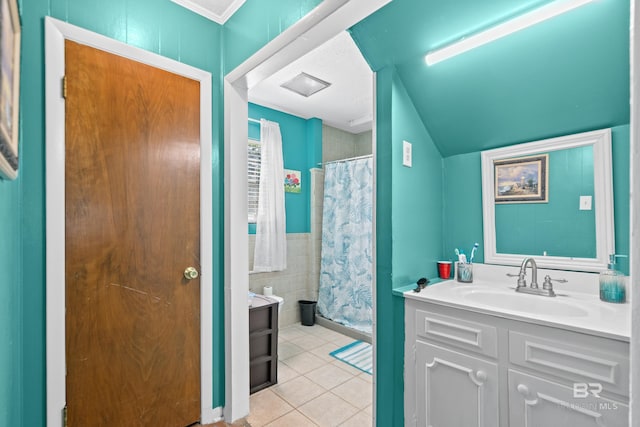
[
  {"x": 472, "y": 336},
  {"x": 574, "y": 362}
]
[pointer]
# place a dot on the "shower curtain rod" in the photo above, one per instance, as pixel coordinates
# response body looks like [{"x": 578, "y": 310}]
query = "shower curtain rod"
[
  {"x": 346, "y": 160},
  {"x": 253, "y": 120}
]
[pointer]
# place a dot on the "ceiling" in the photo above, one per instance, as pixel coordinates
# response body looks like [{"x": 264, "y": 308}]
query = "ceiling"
[
  {"x": 347, "y": 104},
  {"x": 562, "y": 76}
]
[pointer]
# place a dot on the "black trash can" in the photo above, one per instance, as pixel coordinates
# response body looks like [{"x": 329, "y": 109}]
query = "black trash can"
[{"x": 307, "y": 312}]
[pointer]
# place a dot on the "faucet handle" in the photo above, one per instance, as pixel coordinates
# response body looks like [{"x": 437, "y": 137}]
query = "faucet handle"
[
  {"x": 547, "y": 282},
  {"x": 521, "y": 280}
]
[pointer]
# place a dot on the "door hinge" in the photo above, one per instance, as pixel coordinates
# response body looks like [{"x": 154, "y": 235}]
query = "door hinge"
[
  {"x": 64, "y": 416},
  {"x": 64, "y": 87}
]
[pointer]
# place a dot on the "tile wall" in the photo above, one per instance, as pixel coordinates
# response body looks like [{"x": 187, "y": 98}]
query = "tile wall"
[
  {"x": 291, "y": 284},
  {"x": 338, "y": 144}
]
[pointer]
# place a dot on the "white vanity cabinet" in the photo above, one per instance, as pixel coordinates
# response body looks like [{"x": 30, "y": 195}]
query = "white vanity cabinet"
[{"x": 464, "y": 368}]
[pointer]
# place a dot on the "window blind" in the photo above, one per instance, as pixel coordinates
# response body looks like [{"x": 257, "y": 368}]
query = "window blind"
[{"x": 253, "y": 178}]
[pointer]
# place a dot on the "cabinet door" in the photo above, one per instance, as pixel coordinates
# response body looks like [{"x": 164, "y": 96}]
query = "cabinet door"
[
  {"x": 454, "y": 389},
  {"x": 536, "y": 402}
]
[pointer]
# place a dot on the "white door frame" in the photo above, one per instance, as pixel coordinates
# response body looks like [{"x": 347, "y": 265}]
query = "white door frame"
[
  {"x": 323, "y": 23},
  {"x": 634, "y": 250},
  {"x": 56, "y": 32}
]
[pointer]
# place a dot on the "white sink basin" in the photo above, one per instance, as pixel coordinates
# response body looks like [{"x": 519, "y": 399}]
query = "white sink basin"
[{"x": 534, "y": 304}]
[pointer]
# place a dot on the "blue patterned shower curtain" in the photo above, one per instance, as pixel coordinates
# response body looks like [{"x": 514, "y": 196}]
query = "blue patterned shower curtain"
[{"x": 345, "y": 291}]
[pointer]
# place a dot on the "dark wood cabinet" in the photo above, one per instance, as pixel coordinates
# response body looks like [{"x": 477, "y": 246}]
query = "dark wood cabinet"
[{"x": 263, "y": 344}]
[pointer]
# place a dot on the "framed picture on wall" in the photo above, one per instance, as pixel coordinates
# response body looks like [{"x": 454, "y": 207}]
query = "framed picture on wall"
[
  {"x": 522, "y": 179},
  {"x": 9, "y": 87}
]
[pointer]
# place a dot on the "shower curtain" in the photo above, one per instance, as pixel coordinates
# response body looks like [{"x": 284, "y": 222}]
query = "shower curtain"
[{"x": 345, "y": 291}]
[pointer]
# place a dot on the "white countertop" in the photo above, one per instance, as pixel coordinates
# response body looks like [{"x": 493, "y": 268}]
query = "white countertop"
[{"x": 572, "y": 310}]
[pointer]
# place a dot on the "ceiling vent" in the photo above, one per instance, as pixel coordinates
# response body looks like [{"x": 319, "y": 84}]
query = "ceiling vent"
[{"x": 305, "y": 84}]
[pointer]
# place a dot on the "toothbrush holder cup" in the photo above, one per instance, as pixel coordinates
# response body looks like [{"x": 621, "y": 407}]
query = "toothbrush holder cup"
[{"x": 465, "y": 272}]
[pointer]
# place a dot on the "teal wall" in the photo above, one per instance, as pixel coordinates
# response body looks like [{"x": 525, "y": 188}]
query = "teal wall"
[
  {"x": 301, "y": 143},
  {"x": 408, "y": 230},
  {"x": 463, "y": 215},
  {"x": 11, "y": 400},
  {"x": 158, "y": 26},
  {"x": 556, "y": 227}
]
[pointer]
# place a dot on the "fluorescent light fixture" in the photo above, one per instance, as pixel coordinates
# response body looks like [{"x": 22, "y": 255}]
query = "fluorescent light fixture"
[
  {"x": 516, "y": 24},
  {"x": 305, "y": 84}
]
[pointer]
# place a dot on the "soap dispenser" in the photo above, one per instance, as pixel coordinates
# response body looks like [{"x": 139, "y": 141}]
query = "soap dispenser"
[{"x": 612, "y": 282}]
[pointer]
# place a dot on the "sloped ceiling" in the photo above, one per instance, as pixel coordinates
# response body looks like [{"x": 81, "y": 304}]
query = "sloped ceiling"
[{"x": 565, "y": 75}]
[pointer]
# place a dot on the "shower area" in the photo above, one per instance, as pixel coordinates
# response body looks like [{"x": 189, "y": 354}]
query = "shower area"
[{"x": 342, "y": 234}]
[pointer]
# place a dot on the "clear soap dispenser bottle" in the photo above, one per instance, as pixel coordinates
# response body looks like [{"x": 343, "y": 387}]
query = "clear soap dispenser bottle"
[{"x": 612, "y": 282}]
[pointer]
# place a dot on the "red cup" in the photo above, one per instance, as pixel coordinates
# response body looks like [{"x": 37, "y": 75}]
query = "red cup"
[{"x": 444, "y": 269}]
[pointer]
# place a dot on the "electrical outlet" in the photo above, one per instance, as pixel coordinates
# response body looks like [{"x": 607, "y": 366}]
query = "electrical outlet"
[
  {"x": 585, "y": 203},
  {"x": 406, "y": 154}
]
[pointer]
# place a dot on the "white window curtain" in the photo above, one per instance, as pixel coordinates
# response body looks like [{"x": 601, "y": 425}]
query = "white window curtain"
[{"x": 271, "y": 240}]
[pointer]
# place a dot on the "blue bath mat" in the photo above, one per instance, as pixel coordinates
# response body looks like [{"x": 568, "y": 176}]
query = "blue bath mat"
[{"x": 357, "y": 354}]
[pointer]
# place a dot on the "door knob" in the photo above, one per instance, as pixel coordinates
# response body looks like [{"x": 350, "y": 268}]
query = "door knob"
[{"x": 190, "y": 273}]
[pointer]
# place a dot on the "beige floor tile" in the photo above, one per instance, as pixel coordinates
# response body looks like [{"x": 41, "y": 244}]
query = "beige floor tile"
[
  {"x": 289, "y": 333},
  {"x": 266, "y": 406},
  {"x": 298, "y": 391},
  {"x": 360, "y": 419},
  {"x": 308, "y": 342},
  {"x": 316, "y": 329},
  {"x": 328, "y": 410},
  {"x": 304, "y": 362},
  {"x": 355, "y": 391},
  {"x": 292, "y": 419},
  {"x": 287, "y": 349},
  {"x": 328, "y": 334},
  {"x": 343, "y": 340},
  {"x": 342, "y": 365},
  {"x": 367, "y": 377},
  {"x": 368, "y": 410},
  {"x": 285, "y": 373},
  {"x": 323, "y": 351},
  {"x": 329, "y": 376}
]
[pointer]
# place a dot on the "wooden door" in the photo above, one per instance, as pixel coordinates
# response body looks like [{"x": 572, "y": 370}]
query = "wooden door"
[{"x": 132, "y": 228}]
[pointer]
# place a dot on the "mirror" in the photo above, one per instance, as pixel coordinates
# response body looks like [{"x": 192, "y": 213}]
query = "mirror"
[{"x": 552, "y": 200}]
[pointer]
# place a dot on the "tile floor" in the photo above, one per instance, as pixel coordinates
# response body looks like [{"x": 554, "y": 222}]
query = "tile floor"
[{"x": 314, "y": 389}]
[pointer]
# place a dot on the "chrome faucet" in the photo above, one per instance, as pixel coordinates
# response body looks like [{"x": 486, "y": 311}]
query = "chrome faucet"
[{"x": 547, "y": 286}]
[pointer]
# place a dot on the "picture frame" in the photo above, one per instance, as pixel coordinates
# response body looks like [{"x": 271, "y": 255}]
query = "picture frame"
[
  {"x": 292, "y": 181},
  {"x": 9, "y": 88},
  {"x": 522, "y": 179}
]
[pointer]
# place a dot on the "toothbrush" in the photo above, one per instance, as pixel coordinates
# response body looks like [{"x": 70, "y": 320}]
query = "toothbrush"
[{"x": 473, "y": 252}]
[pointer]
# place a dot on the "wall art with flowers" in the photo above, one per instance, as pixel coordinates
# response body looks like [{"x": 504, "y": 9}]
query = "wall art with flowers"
[{"x": 292, "y": 181}]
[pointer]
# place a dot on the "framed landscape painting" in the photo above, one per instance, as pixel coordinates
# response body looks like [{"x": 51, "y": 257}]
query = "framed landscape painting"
[
  {"x": 522, "y": 179},
  {"x": 9, "y": 87}
]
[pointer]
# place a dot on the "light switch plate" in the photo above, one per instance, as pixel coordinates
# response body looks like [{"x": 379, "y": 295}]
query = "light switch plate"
[
  {"x": 406, "y": 154},
  {"x": 585, "y": 203}
]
